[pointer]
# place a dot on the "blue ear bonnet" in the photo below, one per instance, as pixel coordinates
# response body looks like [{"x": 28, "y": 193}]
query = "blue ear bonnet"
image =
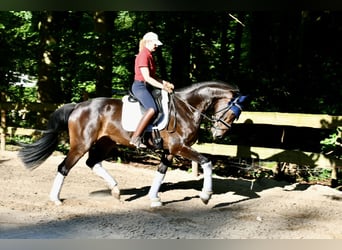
[{"x": 236, "y": 105}]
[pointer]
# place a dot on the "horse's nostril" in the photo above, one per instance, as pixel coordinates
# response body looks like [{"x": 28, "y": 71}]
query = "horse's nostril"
[{"x": 218, "y": 137}]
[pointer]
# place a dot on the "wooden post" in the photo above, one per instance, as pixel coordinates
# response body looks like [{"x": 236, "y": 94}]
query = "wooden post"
[
  {"x": 194, "y": 166},
  {"x": 3, "y": 130},
  {"x": 335, "y": 168},
  {"x": 2, "y": 122},
  {"x": 334, "y": 180}
]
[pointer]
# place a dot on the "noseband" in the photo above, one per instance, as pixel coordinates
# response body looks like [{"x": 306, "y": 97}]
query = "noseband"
[{"x": 235, "y": 106}]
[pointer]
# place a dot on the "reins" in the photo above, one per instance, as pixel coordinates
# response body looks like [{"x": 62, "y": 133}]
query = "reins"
[
  {"x": 225, "y": 110},
  {"x": 172, "y": 106}
]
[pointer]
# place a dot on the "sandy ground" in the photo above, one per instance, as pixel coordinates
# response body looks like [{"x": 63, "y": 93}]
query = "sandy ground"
[{"x": 239, "y": 209}]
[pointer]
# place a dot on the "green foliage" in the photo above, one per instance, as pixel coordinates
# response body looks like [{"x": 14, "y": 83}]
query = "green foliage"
[
  {"x": 19, "y": 139},
  {"x": 318, "y": 175},
  {"x": 64, "y": 148},
  {"x": 25, "y": 29},
  {"x": 19, "y": 118},
  {"x": 124, "y": 20},
  {"x": 83, "y": 90},
  {"x": 22, "y": 95},
  {"x": 333, "y": 144},
  {"x": 20, "y": 41},
  {"x": 271, "y": 60}
]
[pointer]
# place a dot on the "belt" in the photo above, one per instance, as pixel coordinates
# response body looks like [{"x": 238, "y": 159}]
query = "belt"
[{"x": 140, "y": 81}]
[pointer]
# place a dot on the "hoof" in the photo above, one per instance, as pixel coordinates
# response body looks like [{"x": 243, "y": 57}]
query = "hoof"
[
  {"x": 156, "y": 202},
  {"x": 57, "y": 202},
  {"x": 205, "y": 196},
  {"x": 116, "y": 192}
]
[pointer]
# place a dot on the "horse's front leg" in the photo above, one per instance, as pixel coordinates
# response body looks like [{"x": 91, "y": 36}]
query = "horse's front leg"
[
  {"x": 158, "y": 180},
  {"x": 207, "y": 189},
  {"x": 190, "y": 154}
]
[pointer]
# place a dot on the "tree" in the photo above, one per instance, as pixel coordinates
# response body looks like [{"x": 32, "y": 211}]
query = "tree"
[
  {"x": 104, "y": 26},
  {"x": 49, "y": 57},
  {"x": 286, "y": 61},
  {"x": 180, "y": 50},
  {"x": 5, "y": 50},
  {"x": 17, "y": 44}
]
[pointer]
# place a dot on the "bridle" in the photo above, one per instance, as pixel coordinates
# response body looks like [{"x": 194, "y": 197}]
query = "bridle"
[{"x": 234, "y": 105}]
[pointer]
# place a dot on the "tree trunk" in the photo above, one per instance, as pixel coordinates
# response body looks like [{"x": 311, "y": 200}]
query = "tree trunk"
[
  {"x": 104, "y": 26},
  {"x": 237, "y": 47},
  {"x": 180, "y": 52},
  {"x": 224, "y": 72},
  {"x": 48, "y": 77},
  {"x": 260, "y": 49}
]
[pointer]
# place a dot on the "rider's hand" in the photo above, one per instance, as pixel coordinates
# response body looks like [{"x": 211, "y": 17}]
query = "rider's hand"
[{"x": 168, "y": 86}]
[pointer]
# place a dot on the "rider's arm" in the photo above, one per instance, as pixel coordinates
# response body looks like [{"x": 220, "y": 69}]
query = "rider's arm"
[{"x": 164, "y": 85}]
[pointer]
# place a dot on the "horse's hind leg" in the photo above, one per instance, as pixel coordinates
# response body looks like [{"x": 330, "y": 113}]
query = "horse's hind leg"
[
  {"x": 63, "y": 169},
  {"x": 111, "y": 182},
  {"x": 56, "y": 188},
  {"x": 98, "y": 153}
]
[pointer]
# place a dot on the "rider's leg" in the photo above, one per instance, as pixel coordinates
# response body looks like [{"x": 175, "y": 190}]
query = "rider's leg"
[{"x": 145, "y": 120}]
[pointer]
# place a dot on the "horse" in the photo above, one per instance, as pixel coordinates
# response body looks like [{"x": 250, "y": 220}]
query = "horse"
[{"x": 95, "y": 126}]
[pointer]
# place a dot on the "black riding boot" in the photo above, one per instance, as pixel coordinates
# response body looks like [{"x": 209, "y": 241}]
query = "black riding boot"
[{"x": 145, "y": 120}]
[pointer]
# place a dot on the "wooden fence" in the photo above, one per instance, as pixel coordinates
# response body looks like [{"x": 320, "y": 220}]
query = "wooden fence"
[
  {"x": 316, "y": 121},
  {"x": 6, "y": 107},
  {"x": 296, "y": 120}
]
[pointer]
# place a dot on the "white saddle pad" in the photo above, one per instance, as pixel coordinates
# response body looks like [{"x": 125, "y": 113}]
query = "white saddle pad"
[{"x": 131, "y": 114}]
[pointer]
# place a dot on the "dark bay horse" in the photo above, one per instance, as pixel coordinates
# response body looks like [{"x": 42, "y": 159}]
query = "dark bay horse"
[{"x": 94, "y": 126}]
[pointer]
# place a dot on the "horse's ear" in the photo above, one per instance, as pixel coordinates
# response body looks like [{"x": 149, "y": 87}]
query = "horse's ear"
[{"x": 242, "y": 98}]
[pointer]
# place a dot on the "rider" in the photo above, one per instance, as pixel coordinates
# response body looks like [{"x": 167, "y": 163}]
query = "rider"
[{"x": 144, "y": 79}]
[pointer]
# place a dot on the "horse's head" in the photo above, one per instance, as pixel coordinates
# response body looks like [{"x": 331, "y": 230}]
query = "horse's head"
[
  {"x": 226, "y": 112},
  {"x": 221, "y": 98}
]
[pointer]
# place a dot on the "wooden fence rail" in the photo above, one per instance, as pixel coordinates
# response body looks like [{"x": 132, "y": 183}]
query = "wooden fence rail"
[
  {"x": 6, "y": 107},
  {"x": 291, "y": 119},
  {"x": 317, "y": 121}
]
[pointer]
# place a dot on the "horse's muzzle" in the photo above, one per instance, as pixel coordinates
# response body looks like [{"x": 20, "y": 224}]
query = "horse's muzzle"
[{"x": 218, "y": 133}]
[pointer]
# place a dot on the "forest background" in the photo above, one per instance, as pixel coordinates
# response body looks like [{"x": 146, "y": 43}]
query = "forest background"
[{"x": 287, "y": 61}]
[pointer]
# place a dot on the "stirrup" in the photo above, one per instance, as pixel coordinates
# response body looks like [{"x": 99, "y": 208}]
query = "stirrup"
[{"x": 136, "y": 141}]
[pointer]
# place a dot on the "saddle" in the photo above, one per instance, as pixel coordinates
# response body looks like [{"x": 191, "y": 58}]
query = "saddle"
[
  {"x": 157, "y": 96},
  {"x": 132, "y": 112}
]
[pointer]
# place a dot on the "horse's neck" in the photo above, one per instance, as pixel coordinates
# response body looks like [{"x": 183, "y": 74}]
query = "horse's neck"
[
  {"x": 197, "y": 101},
  {"x": 202, "y": 99},
  {"x": 202, "y": 96}
]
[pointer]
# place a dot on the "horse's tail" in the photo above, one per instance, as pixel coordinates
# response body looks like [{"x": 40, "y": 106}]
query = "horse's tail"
[{"x": 33, "y": 155}]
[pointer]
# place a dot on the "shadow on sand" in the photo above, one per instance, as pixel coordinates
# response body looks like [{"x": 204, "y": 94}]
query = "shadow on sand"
[{"x": 240, "y": 187}]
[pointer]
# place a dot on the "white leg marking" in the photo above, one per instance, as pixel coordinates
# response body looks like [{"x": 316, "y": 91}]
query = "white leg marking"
[
  {"x": 100, "y": 171},
  {"x": 111, "y": 182},
  {"x": 153, "y": 193},
  {"x": 56, "y": 188},
  {"x": 207, "y": 174},
  {"x": 207, "y": 190}
]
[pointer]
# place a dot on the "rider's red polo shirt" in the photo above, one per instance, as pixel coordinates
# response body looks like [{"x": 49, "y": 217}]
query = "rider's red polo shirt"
[{"x": 144, "y": 59}]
